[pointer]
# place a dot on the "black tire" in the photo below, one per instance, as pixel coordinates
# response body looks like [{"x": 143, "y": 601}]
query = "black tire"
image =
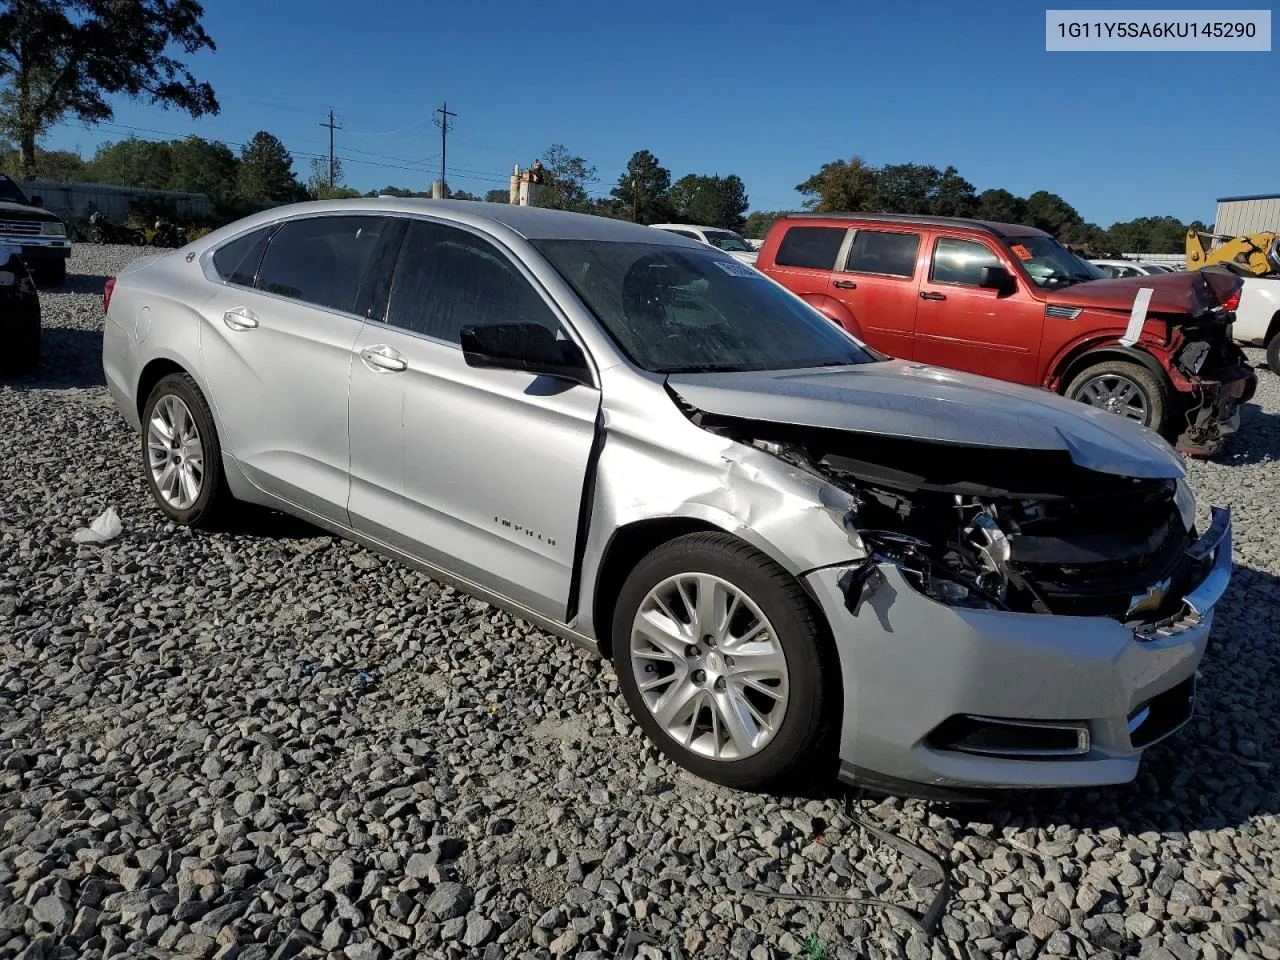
[
  {"x": 1155, "y": 393},
  {"x": 52, "y": 274},
  {"x": 214, "y": 501},
  {"x": 1273, "y": 354},
  {"x": 799, "y": 748}
]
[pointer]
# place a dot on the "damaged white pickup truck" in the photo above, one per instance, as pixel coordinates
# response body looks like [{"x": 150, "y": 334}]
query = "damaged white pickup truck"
[{"x": 796, "y": 552}]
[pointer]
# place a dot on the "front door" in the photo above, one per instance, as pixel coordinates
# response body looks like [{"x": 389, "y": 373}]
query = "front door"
[
  {"x": 479, "y": 471},
  {"x": 276, "y": 350},
  {"x": 964, "y": 326}
]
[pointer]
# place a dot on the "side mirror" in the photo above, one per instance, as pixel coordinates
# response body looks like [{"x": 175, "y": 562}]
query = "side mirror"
[
  {"x": 998, "y": 279},
  {"x": 529, "y": 347},
  {"x": 37, "y": 201}
]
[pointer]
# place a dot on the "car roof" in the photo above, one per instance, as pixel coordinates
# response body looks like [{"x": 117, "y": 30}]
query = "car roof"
[
  {"x": 993, "y": 227},
  {"x": 688, "y": 226},
  {"x": 531, "y": 223}
]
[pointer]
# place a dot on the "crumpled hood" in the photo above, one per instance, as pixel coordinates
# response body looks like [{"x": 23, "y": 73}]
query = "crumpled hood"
[
  {"x": 899, "y": 398},
  {"x": 1192, "y": 293}
]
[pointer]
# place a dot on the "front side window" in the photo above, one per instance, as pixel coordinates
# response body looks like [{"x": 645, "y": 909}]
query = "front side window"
[
  {"x": 728, "y": 241},
  {"x": 891, "y": 254},
  {"x": 673, "y": 310},
  {"x": 448, "y": 279},
  {"x": 1049, "y": 264},
  {"x": 321, "y": 260},
  {"x": 961, "y": 261},
  {"x": 814, "y": 248},
  {"x": 237, "y": 262}
]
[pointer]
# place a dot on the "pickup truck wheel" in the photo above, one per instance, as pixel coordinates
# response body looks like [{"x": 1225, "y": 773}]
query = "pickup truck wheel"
[
  {"x": 1126, "y": 389},
  {"x": 1273, "y": 354},
  {"x": 723, "y": 662},
  {"x": 181, "y": 455}
]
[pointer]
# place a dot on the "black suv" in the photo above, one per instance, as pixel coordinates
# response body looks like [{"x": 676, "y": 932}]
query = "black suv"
[{"x": 38, "y": 234}]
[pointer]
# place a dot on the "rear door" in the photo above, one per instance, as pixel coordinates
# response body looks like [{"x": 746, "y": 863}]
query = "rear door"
[
  {"x": 276, "y": 344},
  {"x": 879, "y": 284},
  {"x": 962, "y": 325},
  {"x": 806, "y": 259},
  {"x": 479, "y": 471}
]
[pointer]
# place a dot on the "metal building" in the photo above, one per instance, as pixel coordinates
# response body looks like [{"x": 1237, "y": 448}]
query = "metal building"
[{"x": 1241, "y": 215}]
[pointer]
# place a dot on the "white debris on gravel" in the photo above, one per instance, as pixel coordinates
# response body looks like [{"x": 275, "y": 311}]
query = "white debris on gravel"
[{"x": 269, "y": 743}]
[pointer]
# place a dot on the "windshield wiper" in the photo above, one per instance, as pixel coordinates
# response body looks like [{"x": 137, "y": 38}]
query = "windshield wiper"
[{"x": 704, "y": 368}]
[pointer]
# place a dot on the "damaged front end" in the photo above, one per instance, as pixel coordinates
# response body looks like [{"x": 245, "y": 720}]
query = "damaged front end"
[
  {"x": 1016, "y": 530},
  {"x": 1219, "y": 378}
]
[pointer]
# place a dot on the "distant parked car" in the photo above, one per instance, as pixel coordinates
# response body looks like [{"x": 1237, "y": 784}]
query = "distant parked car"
[
  {"x": 1009, "y": 301},
  {"x": 1131, "y": 268},
  {"x": 19, "y": 315},
  {"x": 793, "y": 548},
  {"x": 731, "y": 243},
  {"x": 39, "y": 235}
]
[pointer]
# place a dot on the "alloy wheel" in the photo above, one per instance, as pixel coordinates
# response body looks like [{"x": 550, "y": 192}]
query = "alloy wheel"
[
  {"x": 709, "y": 666},
  {"x": 175, "y": 453},
  {"x": 1115, "y": 393}
]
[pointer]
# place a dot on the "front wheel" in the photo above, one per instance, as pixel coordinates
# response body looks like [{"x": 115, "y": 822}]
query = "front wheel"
[
  {"x": 724, "y": 664},
  {"x": 1125, "y": 389},
  {"x": 1273, "y": 354}
]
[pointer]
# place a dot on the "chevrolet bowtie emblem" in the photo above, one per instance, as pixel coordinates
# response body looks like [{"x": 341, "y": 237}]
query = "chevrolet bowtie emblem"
[{"x": 1153, "y": 599}]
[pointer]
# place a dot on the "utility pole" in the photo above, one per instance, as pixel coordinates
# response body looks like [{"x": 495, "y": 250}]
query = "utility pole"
[
  {"x": 332, "y": 127},
  {"x": 635, "y": 193},
  {"x": 444, "y": 121}
]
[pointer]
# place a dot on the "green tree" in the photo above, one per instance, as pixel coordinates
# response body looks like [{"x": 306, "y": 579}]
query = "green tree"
[
  {"x": 203, "y": 166},
  {"x": 711, "y": 201},
  {"x": 644, "y": 190},
  {"x": 1149, "y": 235},
  {"x": 1001, "y": 206},
  {"x": 61, "y": 58},
  {"x": 841, "y": 186},
  {"x": 759, "y": 222},
  {"x": 906, "y": 188},
  {"x": 318, "y": 183},
  {"x": 567, "y": 179},
  {"x": 498, "y": 196},
  {"x": 266, "y": 171},
  {"x": 462, "y": 195},
  {"x": 132, "y": 162},
  {"x": 60, "y": 165},
  {"x": 955, "y": 196},
  {"x": 1050, "y": 213}
]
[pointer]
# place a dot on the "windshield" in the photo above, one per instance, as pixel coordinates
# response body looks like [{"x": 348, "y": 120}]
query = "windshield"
[
  {"x": 674, "y": 310},
  {"x": 9, "y": 191},
  {"x": 1050, "y": 264},
  {"x": 728, "y": 241}
]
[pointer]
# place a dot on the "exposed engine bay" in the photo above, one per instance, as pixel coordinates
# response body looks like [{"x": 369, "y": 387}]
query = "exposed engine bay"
[{"x": 1007, "y": 529}]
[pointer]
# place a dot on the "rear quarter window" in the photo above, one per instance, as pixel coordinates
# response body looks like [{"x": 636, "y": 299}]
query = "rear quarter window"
[
  {"x": 889, "y": 254},
  {"x": 815, "y": 248},
  {"x": 237, "y": 262}
]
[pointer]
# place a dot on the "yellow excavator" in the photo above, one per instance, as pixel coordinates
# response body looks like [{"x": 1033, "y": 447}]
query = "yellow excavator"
[{"x": 1254, "y": 254}]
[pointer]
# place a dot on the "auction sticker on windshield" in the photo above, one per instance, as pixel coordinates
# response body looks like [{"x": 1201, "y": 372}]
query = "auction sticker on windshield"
[{"x": 736, "y": 269}]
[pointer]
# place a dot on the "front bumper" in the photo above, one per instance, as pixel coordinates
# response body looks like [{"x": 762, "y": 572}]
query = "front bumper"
[
  {"x": 909, "y": 664},
  {"x": 38, "y": 249}
]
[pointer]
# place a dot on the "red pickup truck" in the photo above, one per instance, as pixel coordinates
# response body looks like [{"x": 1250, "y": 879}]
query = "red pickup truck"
[{"x": 1010, "y": 302}]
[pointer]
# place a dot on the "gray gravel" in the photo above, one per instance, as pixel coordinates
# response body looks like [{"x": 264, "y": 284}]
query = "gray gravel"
[{"x": 273, "y": 744}]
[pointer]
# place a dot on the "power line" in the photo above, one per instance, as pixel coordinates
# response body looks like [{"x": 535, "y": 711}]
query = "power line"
[
  {"x": 331, "y": 127},
  {"x": 444, "y": 121}
]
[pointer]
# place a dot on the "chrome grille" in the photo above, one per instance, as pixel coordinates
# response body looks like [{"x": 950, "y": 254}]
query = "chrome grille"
[{"x": 23, "y": 228}]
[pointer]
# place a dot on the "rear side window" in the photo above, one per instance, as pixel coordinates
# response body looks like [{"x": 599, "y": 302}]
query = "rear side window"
[
  {"x": 321, "y": 260},
  {"x": 685, "y": 233},
  {"x": 813, "y": 247},
  {"x": 893, "y": 254},
  {"x": 448, "y": 279},
  {"x": 961, "y": 261},
  {"x": 237, "y": 262}
]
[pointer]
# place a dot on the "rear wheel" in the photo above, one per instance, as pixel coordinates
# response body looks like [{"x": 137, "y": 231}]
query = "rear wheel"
[
  {"x": 1126, "y": 389},
  {"x": 181, "y": 454},
  {"x": 723, "y": 662},
  {"x": 1273, "y": 354}
]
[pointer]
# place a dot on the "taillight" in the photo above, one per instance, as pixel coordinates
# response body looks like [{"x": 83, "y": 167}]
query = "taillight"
[
  {"x": 106, "y": 294},
  {"x": 1232, "y": 301}
]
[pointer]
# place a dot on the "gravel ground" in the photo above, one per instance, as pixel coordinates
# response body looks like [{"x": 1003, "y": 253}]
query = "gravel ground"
[{"x": 270, "y": 744}]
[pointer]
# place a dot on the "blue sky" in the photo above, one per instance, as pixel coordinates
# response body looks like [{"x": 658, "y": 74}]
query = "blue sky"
[{"x": 767, "y": 90}]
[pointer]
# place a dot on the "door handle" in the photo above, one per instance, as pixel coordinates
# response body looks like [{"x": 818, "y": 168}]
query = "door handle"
[
  {"x": 382, "y": 359},
  {"x": 844, "y": 284},
  {"x": 930, "y": 295},
  {"x": 240, "y": 318}
]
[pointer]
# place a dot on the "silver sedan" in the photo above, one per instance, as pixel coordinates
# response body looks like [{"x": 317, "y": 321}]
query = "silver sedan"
[{"x": 801, "y": 555}]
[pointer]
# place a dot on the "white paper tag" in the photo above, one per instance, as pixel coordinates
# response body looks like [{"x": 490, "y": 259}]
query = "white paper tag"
[
  {"x": 1138, "y": 317},
  {"x": 736, "y": 269}
]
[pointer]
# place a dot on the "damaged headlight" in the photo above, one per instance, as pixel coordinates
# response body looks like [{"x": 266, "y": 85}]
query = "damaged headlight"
[
  {"x": 935, "y": 580},
  {"x": 1185, "y": 501}
]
